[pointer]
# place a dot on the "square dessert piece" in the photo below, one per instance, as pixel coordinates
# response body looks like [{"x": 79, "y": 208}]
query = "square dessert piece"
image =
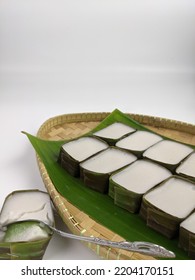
[
  {"x": 187, "y": 167},
  {"x": 167, "y": 205},
  {"x": 168, "y": 153},
  {"x": 95, "y": 171},
  {"x": 128, "y": 185},
  {"x": 114, "y": 132},
  {"x": 78, "y": 150},
  {"x": 20, "y": 223},
  {"x": 139, "y": 141},
  {"x": 187, "y": 235}
]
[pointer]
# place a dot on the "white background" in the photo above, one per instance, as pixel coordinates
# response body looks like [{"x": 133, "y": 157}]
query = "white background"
[{"x": 63, "y": 56}]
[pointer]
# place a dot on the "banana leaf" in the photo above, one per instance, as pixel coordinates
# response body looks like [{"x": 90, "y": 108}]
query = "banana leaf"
[
  {"x": 118, "y": 131},
  {"x": 187, "y": 242},
  {"x": 34, "y": 250},
  {"x": 99, "y": 207},
  {"x": 187, "y": 235},
  {"x": 191, "y": 252}
]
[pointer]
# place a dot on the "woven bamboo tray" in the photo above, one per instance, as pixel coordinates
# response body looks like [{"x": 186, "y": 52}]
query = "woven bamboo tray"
[{"x": 69, "y": 126}]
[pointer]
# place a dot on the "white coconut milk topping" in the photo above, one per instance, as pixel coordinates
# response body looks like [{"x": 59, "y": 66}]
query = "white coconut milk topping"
[
  {"x": 139, "y": 141},
  {"x": 140, "y": 176},
  {"x": 175, "y": 197},
  {"x": 108, "y": 161},
  {"x": 114, "y": 131},
  {"x": 84, "y": 147},
  {"x": 27, "y": 205},
  {"x": 168, "y": 152}
]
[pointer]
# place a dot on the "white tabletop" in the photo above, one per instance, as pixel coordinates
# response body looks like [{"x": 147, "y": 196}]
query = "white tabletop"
[{"x": 63, "y": 58}]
